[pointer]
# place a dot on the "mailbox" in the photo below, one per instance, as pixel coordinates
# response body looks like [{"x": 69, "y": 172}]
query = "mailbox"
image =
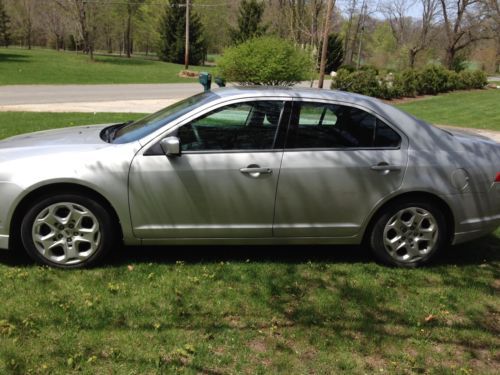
[{"x": 206, "y": 80}]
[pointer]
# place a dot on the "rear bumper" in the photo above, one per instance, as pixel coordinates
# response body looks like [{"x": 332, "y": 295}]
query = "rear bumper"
[
  {"x": 4, "y": 242},
  {"x": 476, "y": 229}
]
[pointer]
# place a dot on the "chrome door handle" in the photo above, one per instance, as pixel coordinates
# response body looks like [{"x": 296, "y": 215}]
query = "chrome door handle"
[
  {"x": 385, "y": 167},
  {"x": 255, "y": 171}
]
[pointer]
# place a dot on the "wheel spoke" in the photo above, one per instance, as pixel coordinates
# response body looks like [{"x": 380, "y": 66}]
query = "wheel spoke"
[
  {"x": 427, "y": 235},
  {"x": 413, "y": 252}
]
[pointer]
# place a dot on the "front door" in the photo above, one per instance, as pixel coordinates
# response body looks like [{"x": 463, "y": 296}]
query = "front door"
[{"x": 223, "y": 184}]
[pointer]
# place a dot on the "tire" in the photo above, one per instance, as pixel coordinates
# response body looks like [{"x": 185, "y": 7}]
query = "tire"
[
  {"x": 67, "y": 231},
  {"x": 408, "y": 233}
]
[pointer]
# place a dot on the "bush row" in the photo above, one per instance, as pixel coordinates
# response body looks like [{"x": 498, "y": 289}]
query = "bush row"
[{"x": 430, "y": 80}]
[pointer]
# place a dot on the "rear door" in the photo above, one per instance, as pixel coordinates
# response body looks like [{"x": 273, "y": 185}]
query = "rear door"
[{"x": 339, "y": 161}]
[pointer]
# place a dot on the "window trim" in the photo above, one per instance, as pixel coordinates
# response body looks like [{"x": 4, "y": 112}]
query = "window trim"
[
  {"x": 298, "y": 101},
  {"x": 153, "y": 149}
]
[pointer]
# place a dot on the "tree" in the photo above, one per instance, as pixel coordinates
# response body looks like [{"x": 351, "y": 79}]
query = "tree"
[
  {"x": 55, "y": 22},
  {"x": 463, "y": 25},
  {"x": 173, "y": 34},
  {"x": 133, "y": 7},
  {"x": 249, "y": 21},
  {"x": 348, "y": 45},
  {"x": 4, "y": 26},
  {"x": 492, "y": 9},
  {"x": 25, "y": 13},
  {"x": 86, "y": 15},
  {"x": 265, "y": 61},
  {"x": 335, "y": 53},
  {"x": 411, "y": 35}
]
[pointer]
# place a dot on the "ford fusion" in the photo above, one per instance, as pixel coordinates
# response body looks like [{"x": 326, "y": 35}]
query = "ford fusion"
[{"x": 257, "y": 166}]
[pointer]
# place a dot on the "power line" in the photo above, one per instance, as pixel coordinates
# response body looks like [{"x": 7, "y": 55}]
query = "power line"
[{"x": 101, "y": 2}]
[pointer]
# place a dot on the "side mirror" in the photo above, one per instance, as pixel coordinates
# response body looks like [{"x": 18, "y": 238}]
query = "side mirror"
[{"x": 171, "y": 146}]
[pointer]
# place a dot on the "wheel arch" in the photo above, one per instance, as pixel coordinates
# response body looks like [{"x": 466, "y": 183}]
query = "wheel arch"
[
  {"x": 53, "y": 189},
  {"x": 417, "y": 195}
]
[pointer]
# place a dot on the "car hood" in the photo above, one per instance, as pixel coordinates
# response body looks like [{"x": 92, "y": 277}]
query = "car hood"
[{"x": 65, "y": 137}]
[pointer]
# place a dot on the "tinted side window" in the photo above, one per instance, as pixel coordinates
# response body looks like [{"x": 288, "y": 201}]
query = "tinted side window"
[
  {"x": 241, "y": 126},
  {"x": 318, "y": 125}
]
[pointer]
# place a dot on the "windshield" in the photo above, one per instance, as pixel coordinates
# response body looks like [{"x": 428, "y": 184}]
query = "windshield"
[{"x": 141, "y": 128}]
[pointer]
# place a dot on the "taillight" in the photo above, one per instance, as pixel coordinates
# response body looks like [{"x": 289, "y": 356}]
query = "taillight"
[{"x": 497, "y": 178}]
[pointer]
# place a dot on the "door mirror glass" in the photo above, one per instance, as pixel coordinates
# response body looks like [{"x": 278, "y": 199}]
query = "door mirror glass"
[{"x": 171, "y": 146}]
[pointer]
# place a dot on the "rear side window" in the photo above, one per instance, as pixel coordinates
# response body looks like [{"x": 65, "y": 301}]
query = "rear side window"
[{"x": 319, "y": 125}]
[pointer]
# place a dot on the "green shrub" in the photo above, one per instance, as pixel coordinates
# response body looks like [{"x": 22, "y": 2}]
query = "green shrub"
[
  {"x": 453, "y": 81},
  {"x": 432, "y": 80},
  {"x": 370, "y": 68},
  {"x": 406, "y": 83},
  {"x": 349, "y": 67},
  {"x": 476, "y": 79},
  {"x": 265, "y": 61},
  {"x": 362, "y": 82}
]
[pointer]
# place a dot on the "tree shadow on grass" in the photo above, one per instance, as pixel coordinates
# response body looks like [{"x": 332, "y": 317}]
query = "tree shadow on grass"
[
  {"x": 13, "y": 57},
  {"x": 485, "y": 250}
]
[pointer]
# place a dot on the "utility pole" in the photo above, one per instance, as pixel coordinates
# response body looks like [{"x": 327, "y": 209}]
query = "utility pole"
[
  {"x": 324, "y": 51},
  {"x": 364, "y": 11},
  {"x": 186, "y": 54}
]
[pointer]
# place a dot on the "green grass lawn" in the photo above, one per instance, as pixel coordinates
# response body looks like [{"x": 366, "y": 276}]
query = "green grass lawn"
[
  {"x": 12, "y": 123},
  {"x": 41, "y": 66},
  {"x": 227, "y": 310},
  {"x": 475, "y": 109}
]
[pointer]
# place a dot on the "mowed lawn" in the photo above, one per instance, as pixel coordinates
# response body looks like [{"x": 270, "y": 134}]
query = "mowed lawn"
[
  {"x": 474, "y": 109},
  {"x": 12, "y": 123},
  {"x": 41, "y": 66},
  {"x": 249, "y": 310}
]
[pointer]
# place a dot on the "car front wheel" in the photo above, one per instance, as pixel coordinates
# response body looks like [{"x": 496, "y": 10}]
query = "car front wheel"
[
  {"x": 408, "y": 233},
  {"x": 67, "y": 231}
]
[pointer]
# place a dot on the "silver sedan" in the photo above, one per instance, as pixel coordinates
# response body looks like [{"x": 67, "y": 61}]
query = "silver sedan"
[{"x": 250, "y": 166}]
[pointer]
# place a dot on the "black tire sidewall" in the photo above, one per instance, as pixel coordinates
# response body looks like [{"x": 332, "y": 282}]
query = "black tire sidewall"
[
  {"x": 377, "y": 232},
  {"x": 105, "y": 223}
]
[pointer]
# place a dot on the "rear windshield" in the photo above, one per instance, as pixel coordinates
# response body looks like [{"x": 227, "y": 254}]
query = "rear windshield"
[{"x": 147, "y": 125}]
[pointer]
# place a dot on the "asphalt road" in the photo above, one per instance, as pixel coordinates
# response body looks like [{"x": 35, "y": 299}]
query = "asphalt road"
[{"x": 49, "y": 94}]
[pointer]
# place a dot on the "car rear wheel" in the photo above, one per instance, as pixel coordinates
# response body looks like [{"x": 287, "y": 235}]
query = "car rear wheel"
[
  {"x": 408, "y": 233},
  {"x": 67, "y": 231}
]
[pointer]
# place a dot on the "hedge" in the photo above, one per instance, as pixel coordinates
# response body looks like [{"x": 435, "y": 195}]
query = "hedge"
[{"x": 430, "y": 80}]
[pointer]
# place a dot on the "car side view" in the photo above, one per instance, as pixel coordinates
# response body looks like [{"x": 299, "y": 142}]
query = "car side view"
[{"x": 250, "y": 165}]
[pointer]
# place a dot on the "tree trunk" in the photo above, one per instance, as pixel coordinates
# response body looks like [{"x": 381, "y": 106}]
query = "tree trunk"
[
  {"x": 128, "y": 37},
  {"x": 449, "y": 57},
  {"x": 412, "y": 56}
]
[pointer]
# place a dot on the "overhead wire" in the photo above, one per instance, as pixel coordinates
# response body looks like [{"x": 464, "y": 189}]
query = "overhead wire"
[{"x": 191, "y": 5}]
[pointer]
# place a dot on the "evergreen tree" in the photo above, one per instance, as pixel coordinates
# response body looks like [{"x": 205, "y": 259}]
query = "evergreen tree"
[
  {"x": 334, "y": 55},
  {"x": 173, "y": 34},
  {"x": 4, "y": 26},
  {"x": 249, "y": 21}
]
